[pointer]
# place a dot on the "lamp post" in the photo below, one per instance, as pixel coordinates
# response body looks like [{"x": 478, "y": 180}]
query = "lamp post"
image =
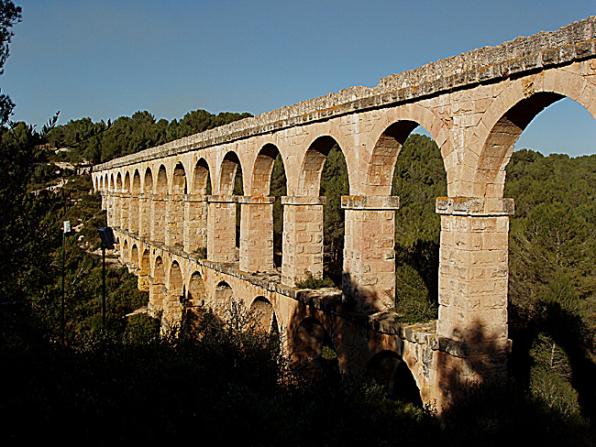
[
  {"x": 65, "y": 231},
  {"x": 107, "y": 241}
]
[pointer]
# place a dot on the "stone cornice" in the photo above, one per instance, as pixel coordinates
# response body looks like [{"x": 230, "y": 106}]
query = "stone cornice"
[{"x": 523, "y": 55}]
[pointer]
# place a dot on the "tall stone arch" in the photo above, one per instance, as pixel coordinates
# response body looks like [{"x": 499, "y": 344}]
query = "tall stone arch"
[
  {"x": 175, "y": 207},
  {"x": 222, "y": 235},
  {"x": 195, "y": 209},
  {"x": 303, "y": 244},
  {"x": 134, "y": 211},
  {"x": 229, "y": 166},
  {"x": 118, "y": 200},
  {"x": 256, "y": 231},
  {"x": 146, "y": 205},
  {"x": 508, "y": 116},
  {"x": 160, "y": 197},
  {"x": 125, "y": 202}
]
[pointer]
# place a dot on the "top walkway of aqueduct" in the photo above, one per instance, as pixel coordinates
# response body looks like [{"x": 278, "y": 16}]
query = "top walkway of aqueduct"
[{"x": 522, "y": 55}]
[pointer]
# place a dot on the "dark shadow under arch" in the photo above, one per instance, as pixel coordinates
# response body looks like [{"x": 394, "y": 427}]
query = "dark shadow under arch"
[
  {"x": 201, "y": 178},
  {"x": 388, "y": 370},
  {"x": 263, "y": 316},
  {"x": 313, "y": 353}
]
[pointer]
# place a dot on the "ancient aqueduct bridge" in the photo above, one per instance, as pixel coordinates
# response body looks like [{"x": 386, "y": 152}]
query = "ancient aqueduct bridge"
[{"x": 181, "y": 242}]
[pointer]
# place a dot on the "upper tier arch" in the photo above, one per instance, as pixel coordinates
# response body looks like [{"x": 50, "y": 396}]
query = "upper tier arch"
[{"x": 510, "y": 113}]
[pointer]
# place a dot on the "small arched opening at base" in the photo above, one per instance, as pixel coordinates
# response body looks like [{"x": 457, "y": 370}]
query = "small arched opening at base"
[
  {"x": 313, "y": 353},
  {"x": 194, "y": 304},
  {"x": 223, "y": 298},
  {"x": 197, "y": 294},
  {"x": 134, "y": 256},
  {"x": 156, "y": 295},
  {"x": 124, "y": 253},
  {"x": 172, "y": 307},
  {"x": 263, "y": 316},
  {"x": 388, "y": 370}
]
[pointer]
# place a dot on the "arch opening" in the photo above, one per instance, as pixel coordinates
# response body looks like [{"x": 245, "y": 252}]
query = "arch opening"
[
  {"x": 126, "y": 184},
  {"x": 195, "y": 236},
  {"x": 179, "y": 180},
  {"x": 172, "y": 308},
  {"x": 194, "y": 305},
  {"x": 125, "y": 253},
  {"x": 126, "y": 202},
  {"x": 175, "y": 208},
  {"x": 490, "y": 176},
  {"x": 197, "y": 293},
  {"x": 145, "y": 266},
  {"x": 159, "y": 205},
  {"x": 136, "y": 183},
  {"x": 158, "y": 284},
  {"x": 231, "y": 184},
  {"x": 223, "y": 299},
  {"x": 134, "y": 256},
  {"x": 324, "y": 173},
  {"x": 134, "y": 208},
  {"x": 145, "y": 205},
  {"x": 418, "y": 178},
  {"x": 389, "y": 371},
  {"x": 148, "y": 183},
  {"x": 263, "y": 316},
  {"x": 269, "y": 179},
  {"x": 202, "y": 178},
  {"x": 118, "y": 202},
  {"x": 313, "y": 352}
]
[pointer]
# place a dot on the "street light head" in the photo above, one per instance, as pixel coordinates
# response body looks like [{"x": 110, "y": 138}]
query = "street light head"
[{"x": 107, "y": 237}]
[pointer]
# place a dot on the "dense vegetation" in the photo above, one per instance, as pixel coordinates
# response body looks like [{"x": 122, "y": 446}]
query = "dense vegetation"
[
  {"x": 222, "y": 380},
  {"x": 100, "y": 141},
  {"x": 551, "y": 296}
]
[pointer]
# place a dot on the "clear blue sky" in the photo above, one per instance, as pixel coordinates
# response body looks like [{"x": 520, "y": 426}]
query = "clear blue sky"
[{"x": 109, "y": 58}]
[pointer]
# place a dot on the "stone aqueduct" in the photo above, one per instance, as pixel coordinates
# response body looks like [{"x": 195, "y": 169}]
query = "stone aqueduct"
[{"x": 181, "y": 242}]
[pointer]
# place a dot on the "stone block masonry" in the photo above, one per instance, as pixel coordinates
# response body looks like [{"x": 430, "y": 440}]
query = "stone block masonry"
[{"x": 474, "y": 106}]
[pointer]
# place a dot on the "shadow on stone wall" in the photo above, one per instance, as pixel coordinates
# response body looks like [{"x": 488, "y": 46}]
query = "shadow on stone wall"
[{"x": 331, "y": 332}]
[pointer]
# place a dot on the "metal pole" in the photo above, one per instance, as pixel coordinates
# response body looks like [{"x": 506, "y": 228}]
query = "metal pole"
[
  {"x": 62, "y": 319},
  {"x": 103, "y": 288}
]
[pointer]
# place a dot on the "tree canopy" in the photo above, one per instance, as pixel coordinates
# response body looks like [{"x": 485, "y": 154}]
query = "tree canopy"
[{"x": 9, "y": 16}]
